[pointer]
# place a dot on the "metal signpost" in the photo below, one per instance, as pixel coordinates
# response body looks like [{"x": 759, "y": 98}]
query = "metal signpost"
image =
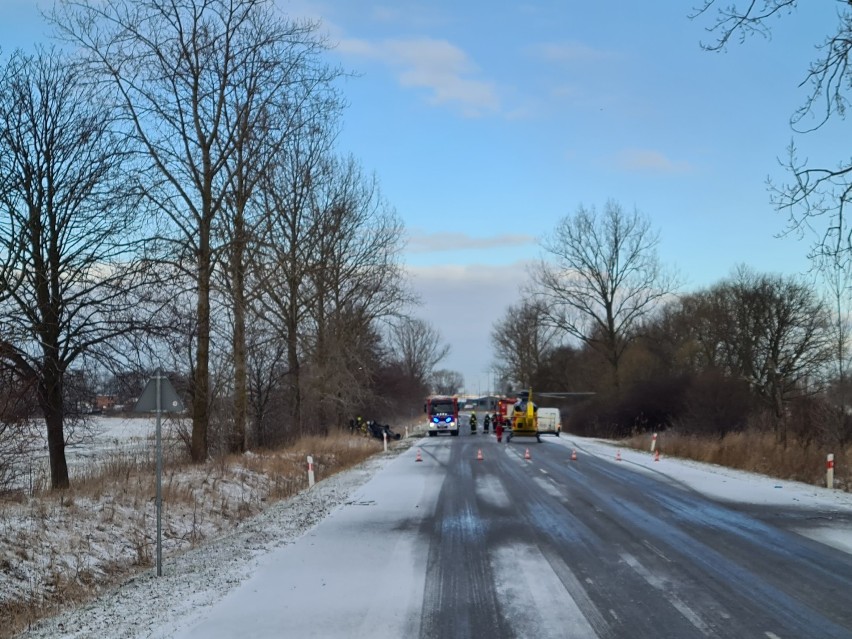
[{"x": 159, "y": 396}]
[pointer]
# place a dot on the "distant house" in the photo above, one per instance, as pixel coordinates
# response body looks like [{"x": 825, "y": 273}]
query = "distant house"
[{"x": 105, "y": 402}]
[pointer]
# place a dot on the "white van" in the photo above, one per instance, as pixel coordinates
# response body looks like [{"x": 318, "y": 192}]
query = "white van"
[{"x": 549, "y": 421}]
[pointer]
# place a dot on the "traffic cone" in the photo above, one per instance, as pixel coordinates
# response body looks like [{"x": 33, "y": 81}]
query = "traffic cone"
[
  {"x": 618, "y": 456},
  {"x": 574, "y": 455},
  {"x": 527, "y": 454},
  {"x": 657, "y": 456},
  {"x": 479, "y": 456},
  {"x": 419, "y": 457}
]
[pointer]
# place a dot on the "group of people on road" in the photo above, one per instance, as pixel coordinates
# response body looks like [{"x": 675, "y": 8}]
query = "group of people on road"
[{"x": 486, "y": 425}]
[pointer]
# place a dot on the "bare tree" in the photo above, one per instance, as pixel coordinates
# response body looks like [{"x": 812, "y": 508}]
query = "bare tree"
[
  {"x": 446, "y": 382},
  {"x": 522, "y": 340},
  {"x": 190, "y": 77},
  {"x": 356, "y": 280},
  {"x": 772, "y": 332},
  {"x": 290, "y": 231},
  {"x": 604, "y": 278},
  {"x": 816, "y": 198},
  {"x": 68, "y": 233},
  {"x": 417, "y": 346}
]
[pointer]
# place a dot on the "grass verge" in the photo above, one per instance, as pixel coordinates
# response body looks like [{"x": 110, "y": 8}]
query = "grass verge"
[
  {"x": 756, "y": 452},
  {"x": 59, "y": 549}
]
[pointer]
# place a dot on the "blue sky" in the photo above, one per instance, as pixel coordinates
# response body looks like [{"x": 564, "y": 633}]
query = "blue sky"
[{"x": 486, "y": 122}]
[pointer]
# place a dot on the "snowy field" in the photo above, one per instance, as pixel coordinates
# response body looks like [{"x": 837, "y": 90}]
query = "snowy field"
[
  {"x": 96, "y": 441},
  {"x": 194, "y": 580}
]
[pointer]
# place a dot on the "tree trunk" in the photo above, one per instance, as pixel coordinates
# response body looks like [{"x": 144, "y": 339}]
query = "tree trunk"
[
  {"x": 238, "y": 437},
  {"x": 201, "y": 381},
  {"x": 50, "y": 400}
]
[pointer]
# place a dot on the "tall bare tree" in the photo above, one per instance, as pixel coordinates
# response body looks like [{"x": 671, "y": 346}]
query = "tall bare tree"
[
  {"x": 603, "y": 278},
  {"x": 356, "y": 280},
  {"x": 67, "y": 233},
  {"x": 290, "y": 98},
  {"x": 446, "y": 382},
  {"x": 190, "y": 76},
  {"x": 522, "y": 340},
  {"x": 291, "y": 228},
  {"x": 417, "y": 346},
  {"x": 772, "y": 332}
]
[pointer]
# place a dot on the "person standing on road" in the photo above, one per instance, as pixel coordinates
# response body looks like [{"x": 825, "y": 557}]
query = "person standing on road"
[
  {"x": 498, "y": 429},
  {"x": 473, "y": 423}
]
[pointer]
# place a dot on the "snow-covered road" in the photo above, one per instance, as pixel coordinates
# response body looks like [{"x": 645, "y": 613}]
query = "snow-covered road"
[{"x": 375, "y": 566}]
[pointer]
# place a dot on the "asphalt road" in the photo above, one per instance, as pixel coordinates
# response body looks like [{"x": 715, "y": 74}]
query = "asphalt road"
[{"x": 508, "y": 547}]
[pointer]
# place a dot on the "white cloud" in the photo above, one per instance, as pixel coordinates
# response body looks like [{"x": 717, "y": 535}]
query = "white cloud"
[
  {"x": 438, "y": 242},
  {"x": 648, "y": 160},
  {"x": 443, "y": 69},
  {"x": 462, "y": 302}
]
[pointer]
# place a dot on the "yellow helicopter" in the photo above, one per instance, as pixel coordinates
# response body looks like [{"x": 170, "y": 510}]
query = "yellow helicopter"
[{"x": 524, "y": 418}]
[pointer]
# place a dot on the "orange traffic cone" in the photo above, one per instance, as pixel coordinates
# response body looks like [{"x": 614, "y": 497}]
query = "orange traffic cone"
[
  {"x": 479, "y": 456},
  {"x": 618, "y": 456},
  {"x": 574, "y": 455},
  {"x": 527, "y": 454},
  {"x": 419, "y": 457},
  {"x": 657, "y": 456}
]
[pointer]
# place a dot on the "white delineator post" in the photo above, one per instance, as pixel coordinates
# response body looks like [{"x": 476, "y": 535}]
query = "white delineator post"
[
  {"x": 310, "y": 471},
  {"x": 385, "y": 440},
  {"x": 653, "y": 442},
  {"x": 829, "y": 470}
]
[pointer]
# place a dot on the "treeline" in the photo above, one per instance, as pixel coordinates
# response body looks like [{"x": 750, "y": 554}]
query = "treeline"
[
  {"x": 172, "y": 196},
  {"x": 754, "y": 351}
]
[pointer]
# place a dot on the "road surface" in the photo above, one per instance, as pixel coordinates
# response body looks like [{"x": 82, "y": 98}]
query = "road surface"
[{"x": 508, "y": 547}]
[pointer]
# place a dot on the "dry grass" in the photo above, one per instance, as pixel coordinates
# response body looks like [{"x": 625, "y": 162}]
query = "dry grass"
[
  {"x": 116, "y": 497},
  {"x": 756, "y": 452}
]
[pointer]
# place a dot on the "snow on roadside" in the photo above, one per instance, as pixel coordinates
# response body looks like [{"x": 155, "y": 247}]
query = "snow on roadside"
[
  {"x": 155, "y": 608},
  {"x": 145, "y": 604},
  {"x": 719, "y": 482}
]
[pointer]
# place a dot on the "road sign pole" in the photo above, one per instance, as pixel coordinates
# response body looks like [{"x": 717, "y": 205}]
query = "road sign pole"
[
  {"x": 159, "y": 476},
  {"x": 159, "y": 391}
]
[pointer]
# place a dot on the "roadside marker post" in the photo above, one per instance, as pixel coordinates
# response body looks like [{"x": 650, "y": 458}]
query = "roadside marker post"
[
  {"x": 829, "y": 471},
  {"x": 385, "y": 440},
  {"x": 310, "y": 472},
  {"x": 653, "y": 442}
]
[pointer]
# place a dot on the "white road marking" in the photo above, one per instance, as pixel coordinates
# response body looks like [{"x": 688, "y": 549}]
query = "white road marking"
[
  {"x": 689, "y": 614},
  {"x": 655, "y": 550},
  {"x": 547, "y": 486},
  {"x": 523, "y": 574},
  {"x": 771, "y": 635},
  {"x": 542, "y": 470}
]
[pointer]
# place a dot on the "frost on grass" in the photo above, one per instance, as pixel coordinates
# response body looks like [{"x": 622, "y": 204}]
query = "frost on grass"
[{"x": 57, "y": 549}]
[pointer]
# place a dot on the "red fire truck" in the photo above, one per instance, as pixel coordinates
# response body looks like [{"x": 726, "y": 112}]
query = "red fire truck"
[{"x": 503, "y": 413}]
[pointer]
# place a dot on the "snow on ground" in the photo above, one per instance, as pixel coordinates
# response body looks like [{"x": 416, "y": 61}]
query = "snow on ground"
[
  {"x": 200, "y": 577},
  {"x": 146, "y": 605}
]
